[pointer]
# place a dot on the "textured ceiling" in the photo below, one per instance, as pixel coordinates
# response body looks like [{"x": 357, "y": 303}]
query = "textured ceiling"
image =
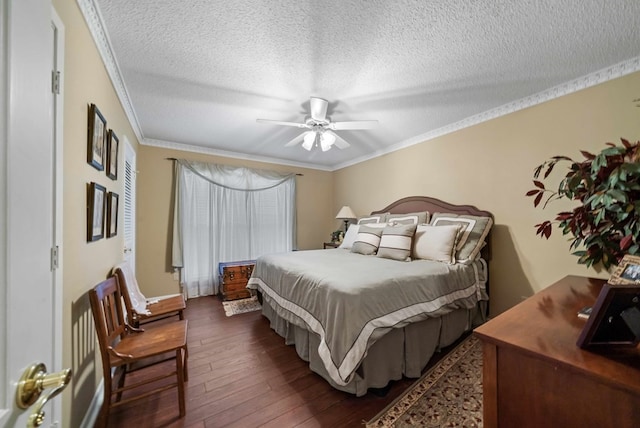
[{"x": 200, "y": 72}]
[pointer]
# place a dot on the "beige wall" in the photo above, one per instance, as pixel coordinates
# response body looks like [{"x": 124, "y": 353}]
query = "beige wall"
[
  {"x": 84, "y": 263},
  {"x": 490, "y": 165},
  {"x": 314, "y": 202}
]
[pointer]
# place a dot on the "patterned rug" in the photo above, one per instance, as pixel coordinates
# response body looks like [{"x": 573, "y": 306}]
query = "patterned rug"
[
  {"x": 241, "y": 306},
  {"x": 448, "y": 395}
]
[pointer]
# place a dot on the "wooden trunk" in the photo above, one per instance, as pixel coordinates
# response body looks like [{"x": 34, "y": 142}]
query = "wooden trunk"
[{"x": 233, "y": 279}]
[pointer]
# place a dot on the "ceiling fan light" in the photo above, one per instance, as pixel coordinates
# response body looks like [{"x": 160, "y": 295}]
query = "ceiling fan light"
[
  {"x": 329, "y": 137},
  {"x": 309, "y": 138},
  {"x": 326, "y": 141}
]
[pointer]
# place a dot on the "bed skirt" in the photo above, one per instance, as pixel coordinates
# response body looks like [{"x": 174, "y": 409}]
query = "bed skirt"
[{"x": 401, "y": 352}]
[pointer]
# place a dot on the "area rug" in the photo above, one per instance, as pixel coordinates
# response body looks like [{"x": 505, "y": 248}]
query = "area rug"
[
  {"x": 241, "y": 306},
  {"x": 448, "y": 395}
]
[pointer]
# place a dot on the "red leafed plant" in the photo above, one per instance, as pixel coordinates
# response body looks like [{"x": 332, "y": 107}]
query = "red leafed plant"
[{"x": 606, "y": 224}]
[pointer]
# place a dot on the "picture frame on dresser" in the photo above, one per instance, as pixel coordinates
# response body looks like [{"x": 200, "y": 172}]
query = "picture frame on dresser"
[
  {"x": 615, "y": 318},
  {"x": 627, "y": 272},
  {"x": 96, "y": 138},
  {"x": 95, "y": 211}
]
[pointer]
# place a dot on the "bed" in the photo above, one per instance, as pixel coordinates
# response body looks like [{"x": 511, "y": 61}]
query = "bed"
[{"x": 362, "y": 321}]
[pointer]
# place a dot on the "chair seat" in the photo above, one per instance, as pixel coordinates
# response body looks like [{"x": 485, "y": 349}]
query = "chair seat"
[
  {"x": 163, "y": 307},
  {"x": 152, "y": 342}
]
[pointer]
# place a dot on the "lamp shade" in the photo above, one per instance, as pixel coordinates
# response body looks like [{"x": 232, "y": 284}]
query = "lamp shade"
[{"x": 346, "y": 213}]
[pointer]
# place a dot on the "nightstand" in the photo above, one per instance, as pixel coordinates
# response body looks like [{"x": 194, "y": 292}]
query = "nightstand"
[{"x": 331, "y": 245}]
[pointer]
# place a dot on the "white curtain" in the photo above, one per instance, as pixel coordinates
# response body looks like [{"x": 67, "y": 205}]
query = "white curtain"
[{"x": 224, "y": 214}]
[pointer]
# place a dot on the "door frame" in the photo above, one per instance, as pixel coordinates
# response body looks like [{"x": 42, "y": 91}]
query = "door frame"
[{"x": 58, "y": 147}]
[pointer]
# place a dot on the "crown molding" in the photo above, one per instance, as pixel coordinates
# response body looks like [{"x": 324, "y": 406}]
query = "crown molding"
[
  {"x": 592, "y": 79},
  {"x": 93, "y": 18},
  {"x": 228, "y": 154}
]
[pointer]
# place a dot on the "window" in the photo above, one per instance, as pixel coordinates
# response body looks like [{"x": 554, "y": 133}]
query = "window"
[{"x": 228, "y": 214}]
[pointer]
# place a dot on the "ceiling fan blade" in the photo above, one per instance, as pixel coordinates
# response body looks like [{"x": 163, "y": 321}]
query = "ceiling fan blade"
[
  {"x": 353, "y": 125},
  {"x": 340, "y": 142},
  {"x": 296, "y": 140},
  {"x": 318, "y": 107},
  {"x": 280, "y": 122}
]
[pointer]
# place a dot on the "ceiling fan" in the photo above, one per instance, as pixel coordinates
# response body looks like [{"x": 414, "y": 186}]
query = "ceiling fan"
[{"x": 320, "y": 127}]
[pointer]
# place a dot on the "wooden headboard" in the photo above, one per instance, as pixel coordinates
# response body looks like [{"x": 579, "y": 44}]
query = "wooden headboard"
[{"x": 413, "y": 204}]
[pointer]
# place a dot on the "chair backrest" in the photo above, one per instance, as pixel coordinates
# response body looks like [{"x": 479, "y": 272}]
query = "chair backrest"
[
  {"x": 106, "y": 306},
  {"x": 134, "y": 301}
]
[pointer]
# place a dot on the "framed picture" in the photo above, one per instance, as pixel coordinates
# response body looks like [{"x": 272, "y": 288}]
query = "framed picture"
[
  {"x": 112, "y": 214},
  {"x": 112, "y": 155},
  {"x": 627, "y": 272},
  {"x": 614, "y": 320},
  {"x": 95, "y": 211},
  {"x": 96, "y": 138}
]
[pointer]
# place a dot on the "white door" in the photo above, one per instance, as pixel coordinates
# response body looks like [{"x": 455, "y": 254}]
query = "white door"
[
  {"x": 129, "y": 204},
  {"x": 30, "y": 294}
]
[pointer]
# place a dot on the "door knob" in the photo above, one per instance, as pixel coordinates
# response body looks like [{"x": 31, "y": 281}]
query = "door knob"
[{"x": 34, "y": 380}]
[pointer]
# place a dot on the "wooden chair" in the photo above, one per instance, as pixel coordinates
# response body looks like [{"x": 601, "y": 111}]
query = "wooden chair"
[
  {"x": 125, "y": 349},
  {"x": 139, "y": 308}
]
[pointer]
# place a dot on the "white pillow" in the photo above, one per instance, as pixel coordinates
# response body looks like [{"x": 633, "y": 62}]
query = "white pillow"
[
  {"x": 350, "y": 237},
  {"x": 436, "y": 243}
]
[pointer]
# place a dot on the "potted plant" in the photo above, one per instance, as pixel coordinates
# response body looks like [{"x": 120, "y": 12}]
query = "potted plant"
[{"x": 606, "y": 223}]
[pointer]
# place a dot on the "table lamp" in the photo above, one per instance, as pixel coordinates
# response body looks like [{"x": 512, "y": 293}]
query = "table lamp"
[{"x": 346, "y": 214}]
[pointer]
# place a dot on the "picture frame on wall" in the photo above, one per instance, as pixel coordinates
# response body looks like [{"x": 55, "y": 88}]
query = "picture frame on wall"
[
  {"x": 112, "y": 155},
  {"x": 95, "y": 211},
  {"x": 627, "y": 272},
  {"x": 112, "y": 214},
  {"x": 96, "y": 138}
]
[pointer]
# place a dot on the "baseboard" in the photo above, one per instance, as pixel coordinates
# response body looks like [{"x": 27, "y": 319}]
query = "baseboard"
[{"x": 91, "y": 416}]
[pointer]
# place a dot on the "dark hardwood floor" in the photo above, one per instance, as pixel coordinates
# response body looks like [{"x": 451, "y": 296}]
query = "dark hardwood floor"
[{"x": 241, "y": 374}]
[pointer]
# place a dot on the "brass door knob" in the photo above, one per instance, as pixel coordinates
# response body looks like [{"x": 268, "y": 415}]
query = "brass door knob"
[{"x": 34, "y": 380}]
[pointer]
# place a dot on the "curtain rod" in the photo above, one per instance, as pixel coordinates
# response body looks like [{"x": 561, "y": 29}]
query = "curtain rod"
[{"x": 174, "y": 159}]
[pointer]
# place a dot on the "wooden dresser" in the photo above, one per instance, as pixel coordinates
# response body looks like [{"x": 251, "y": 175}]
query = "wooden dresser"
[
  {"x": 534, "y": 374},
  {"x": 234, "y": 277}
]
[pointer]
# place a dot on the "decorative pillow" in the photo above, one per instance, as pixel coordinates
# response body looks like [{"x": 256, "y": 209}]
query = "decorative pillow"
[
  {"x": 367, "y": 240},
  {"x": 411, "y": 218},
  {"x": 350, "y": 237},
  {"x": 436, "y": 243},
  {"x": 473, "y": 234},
  {"x": 395, "y": 242},
  {"x": 373, "y": 218}
]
